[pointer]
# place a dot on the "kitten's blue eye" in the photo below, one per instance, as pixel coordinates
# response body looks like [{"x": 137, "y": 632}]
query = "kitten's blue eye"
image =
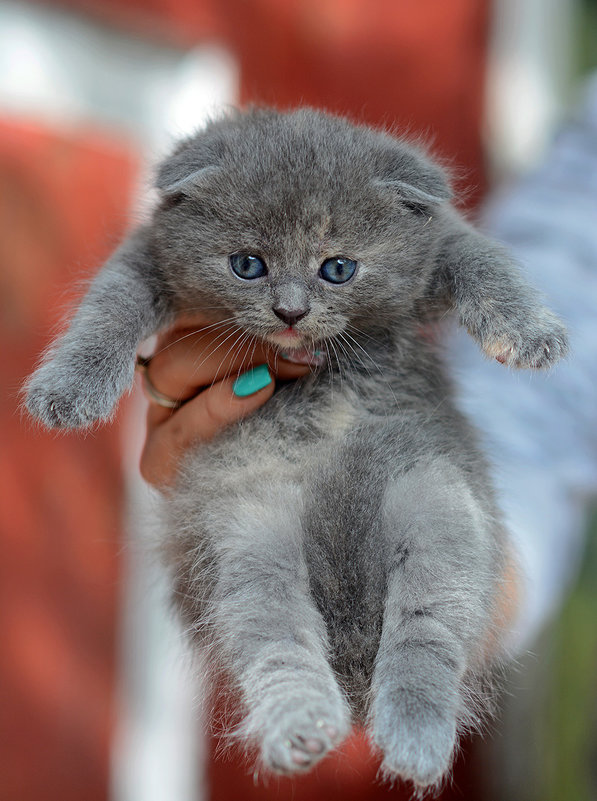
[
  {"x": 337, "y": 270},
  {"x": 247, "y": 267}
]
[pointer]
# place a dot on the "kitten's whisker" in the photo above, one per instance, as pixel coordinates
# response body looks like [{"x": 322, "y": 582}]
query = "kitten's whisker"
[
  {"x": 215, "y": 349},
  {"x": 208, "y": 329},
  {"x": 347, "y": 354},
  {"x": 246, "y": 345},
  {"x": 189, "y": 309},
  {"x": 196, "y": 367},
  {"x": 225, "y": 356},
  {"x": 206, "y": 355},
  {"x": 276, "y": 357},
  {"x": 346, "y": 344},
  {"x": 360, "y": 331},
  {"x": 217, "y": 323},
  {"x": 337, "y": 362},
  {"x": 347, "y": 337},
  {"x": 312, "y": 367},
  {"x": 220, "y": 323},
  {"x": 330, "y": 368},
  {"x": 237, "y": 350},
  {"x": 202, "y": 328},
  {"x": 227, "y": 328},
  {"x": 255, "y": 341}
]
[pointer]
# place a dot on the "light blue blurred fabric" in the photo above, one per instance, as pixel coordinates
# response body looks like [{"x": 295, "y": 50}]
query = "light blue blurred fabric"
[{"x": 541, "y": 428}]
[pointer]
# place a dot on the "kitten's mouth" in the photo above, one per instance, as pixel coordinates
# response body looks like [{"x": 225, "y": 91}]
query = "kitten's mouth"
[
  {"x": 308, "y": 356},
  {"x": 291, "y": 349},
  {"x": 288, "y": 338},
  {"x": 290, "y": 333}
]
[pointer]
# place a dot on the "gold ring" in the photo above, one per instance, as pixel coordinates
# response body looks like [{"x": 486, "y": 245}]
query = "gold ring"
[{"x": 154, "y": 395}]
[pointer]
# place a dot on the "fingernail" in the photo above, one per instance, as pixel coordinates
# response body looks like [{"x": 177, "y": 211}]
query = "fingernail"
[{"x": 252, "y": 381}]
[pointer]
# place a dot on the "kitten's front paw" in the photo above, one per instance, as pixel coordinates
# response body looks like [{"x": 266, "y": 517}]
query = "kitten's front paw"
[
  {"x": 417, "y": 737},
  {"x": 299, "y": 735},
  {"x": 75, "y": 395},
  {"x": 537, "y": 342}
]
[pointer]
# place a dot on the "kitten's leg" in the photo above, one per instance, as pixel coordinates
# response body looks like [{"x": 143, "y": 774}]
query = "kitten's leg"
[
  {"x": 442, "y": 566},
  {"x": 89, "y": 367},
  {"x": 495, "y": 303},
  {"x": 271, "y": 638}
]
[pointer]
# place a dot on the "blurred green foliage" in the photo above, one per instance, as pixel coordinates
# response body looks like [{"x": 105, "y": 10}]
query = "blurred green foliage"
[
  {"x": 544, "y": 747},
  {"x": 561, "y": 731},
  {"x": 567, "y": 729},
  {"x": 586, "y": 36}
]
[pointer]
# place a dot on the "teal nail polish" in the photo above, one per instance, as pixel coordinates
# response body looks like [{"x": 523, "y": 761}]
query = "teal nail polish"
[{"x": 252, "y": 381}]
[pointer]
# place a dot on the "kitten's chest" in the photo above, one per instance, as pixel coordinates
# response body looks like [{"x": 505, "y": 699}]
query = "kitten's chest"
[{"x": 301, "y": 415}]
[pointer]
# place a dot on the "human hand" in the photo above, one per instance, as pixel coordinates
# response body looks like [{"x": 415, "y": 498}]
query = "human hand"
[{"x": 189, "y": 366}]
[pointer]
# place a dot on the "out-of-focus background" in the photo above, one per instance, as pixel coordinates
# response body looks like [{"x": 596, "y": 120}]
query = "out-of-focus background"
[{"x": 97, "y": 697}]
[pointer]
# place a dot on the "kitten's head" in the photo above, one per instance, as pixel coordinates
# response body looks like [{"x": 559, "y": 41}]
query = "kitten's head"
[{"x": 297, "y": 225}]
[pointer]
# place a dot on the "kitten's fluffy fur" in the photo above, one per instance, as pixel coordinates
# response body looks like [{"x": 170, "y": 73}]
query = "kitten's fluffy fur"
[{"x": 339, "y": 551}]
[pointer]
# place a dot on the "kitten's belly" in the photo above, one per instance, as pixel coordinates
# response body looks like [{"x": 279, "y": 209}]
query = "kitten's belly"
[{"x": 344, "y": 550}]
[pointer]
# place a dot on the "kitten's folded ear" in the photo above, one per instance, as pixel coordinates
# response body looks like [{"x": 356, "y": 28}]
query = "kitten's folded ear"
[
  {"x": 408, "y": 173},
  {"x": 170, "y": 185},
  {"x": 186, "y": 171}
]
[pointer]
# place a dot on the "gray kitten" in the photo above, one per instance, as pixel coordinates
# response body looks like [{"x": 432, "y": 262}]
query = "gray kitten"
[{"x": 340, "y": 551}]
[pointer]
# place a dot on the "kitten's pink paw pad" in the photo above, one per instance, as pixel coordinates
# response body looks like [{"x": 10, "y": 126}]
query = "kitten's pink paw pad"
[{"x": 300, "y": 739}]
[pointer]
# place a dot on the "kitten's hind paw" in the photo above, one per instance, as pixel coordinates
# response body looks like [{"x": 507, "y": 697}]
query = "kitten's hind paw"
[
  {"x": 302, "y": 735},
  {"x": 417, "y": 740}
]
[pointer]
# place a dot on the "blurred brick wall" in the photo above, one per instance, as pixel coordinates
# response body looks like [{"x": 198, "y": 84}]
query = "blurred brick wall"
[
  {"x": 63, "y": 205},
  {"x": 416, "y": 64}
]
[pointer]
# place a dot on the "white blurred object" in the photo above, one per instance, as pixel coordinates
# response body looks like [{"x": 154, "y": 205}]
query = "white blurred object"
[
  {"x": 529, "y": 72},
  {"x": 158, "y": 749},
  {"x": 66, "y": 70}
]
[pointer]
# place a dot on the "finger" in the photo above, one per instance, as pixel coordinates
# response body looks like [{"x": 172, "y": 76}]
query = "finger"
[
  {"x": 199, "y": 420},
  {"x": 187, "y": 360}
]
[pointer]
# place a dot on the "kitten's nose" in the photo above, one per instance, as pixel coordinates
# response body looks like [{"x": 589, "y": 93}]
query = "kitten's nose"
[{"x": 290, "y": 316}]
